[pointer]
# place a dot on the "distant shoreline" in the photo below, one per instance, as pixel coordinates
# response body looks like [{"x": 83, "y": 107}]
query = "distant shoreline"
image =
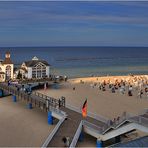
[{"x": 102, "y": 78}]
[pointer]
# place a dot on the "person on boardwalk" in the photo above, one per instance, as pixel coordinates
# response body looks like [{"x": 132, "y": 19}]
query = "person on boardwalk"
[{"x": 66, "y": 141}]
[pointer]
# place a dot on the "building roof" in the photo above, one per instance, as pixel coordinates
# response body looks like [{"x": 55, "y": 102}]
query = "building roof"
[
  {"x": 34, "y": 62},
  {"x": 24, "y": 69},
  {"x": 7, "y": 61},
  {"x": 7, "y": 52},
  {"x": 140, "y": 142}
]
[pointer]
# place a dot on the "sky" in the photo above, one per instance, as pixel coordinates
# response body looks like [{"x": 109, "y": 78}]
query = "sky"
[{"x": 79, "y": 23}]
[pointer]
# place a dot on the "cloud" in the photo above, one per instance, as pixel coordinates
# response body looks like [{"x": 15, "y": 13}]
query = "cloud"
[{"x": 48, "y": 13}]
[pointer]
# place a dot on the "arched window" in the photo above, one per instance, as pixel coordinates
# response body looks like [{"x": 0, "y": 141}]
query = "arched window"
[
  {"x": 39, "y": 71},
  {"x": 8, "y": 72}
]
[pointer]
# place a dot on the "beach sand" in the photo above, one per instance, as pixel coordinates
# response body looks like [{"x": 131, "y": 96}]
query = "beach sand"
[
  {"x": 102, "y": 103},
  {"x": 21, "y": 127}
]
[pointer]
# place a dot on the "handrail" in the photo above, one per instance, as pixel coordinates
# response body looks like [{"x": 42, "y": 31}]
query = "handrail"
[
  {"x": 93, "y": 126},
  {"x": 90, "y": 114},
  {"x": 140, "y": 120},
  {"x": 76, "y": 136},
  {"x": 50, "y": 136},
  {"x": 58, "y": 111}
]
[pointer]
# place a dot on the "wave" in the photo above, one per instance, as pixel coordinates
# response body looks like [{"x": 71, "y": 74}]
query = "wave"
[{"x": 98, "y": 58}]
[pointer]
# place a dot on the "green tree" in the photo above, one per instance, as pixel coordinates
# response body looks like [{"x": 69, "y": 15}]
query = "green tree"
[{"x": 19, "y": 76}]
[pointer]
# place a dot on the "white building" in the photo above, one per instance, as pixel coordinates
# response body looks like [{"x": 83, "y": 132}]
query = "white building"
[
  {"x": 6, "y": 68},
  {"x": 34, "y": 68}
]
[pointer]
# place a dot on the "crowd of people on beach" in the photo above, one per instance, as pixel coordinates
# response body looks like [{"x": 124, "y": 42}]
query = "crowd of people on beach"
[{"x": 133, "y": 85}]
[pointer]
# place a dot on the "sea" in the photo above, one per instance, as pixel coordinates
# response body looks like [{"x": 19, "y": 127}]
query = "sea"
[{"x": 85, "y": 61}]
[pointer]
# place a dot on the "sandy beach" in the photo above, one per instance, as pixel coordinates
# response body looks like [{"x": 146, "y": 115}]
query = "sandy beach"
[
  {"x": 104, "y": 103},
  {"x": 21, "y": 127}
]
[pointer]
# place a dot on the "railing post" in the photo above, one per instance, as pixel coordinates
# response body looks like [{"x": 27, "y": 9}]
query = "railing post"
[
  {"x": 99, "y": 144},
  {"x": 29, "y": 106},
  {"x": 50, "y": 118},
  {"x": 81, "y": 137},
  {"x": 14, "y": 98}
]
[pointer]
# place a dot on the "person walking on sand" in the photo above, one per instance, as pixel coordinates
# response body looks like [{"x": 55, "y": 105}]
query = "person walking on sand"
[
  {"x": 140, "y": 93},
  {"x": 130, "y": 90}
]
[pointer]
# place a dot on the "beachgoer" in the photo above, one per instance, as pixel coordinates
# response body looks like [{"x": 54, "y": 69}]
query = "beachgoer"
[
  {"x": 59, "y": 102},
  {"x": 111, "y": 122},
  {"x": 130, "y": 88},
  {"x": 118, "y": 119},
  {"x": 113, "y": 90},
  {"x": 74, "y": 88},
  {"x": 114, "y": 121},
  {"x": 18, "y": 88},
  {"x": 64, "y": 140},
  {"x": 100, "y": 87},
  {"x": 130, "y": 93},
  {"x": 67, "y": 141},
  {"x": 121, "y": 90},
  {"x": 103, "y": 88},
  {"x": 140, "y": 93}
]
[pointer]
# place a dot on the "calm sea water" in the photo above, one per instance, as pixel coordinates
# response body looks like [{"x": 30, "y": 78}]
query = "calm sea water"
[{"x": 86, "y": 61}]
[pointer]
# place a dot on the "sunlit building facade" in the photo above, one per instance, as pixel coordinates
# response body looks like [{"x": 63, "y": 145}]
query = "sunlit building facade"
[{"x": 6, "y": 68}]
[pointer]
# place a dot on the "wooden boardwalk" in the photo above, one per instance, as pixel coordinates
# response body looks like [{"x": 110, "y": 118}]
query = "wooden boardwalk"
[
  {"x": 37, "y": 99},
  {"x": 70, "y": 126}
]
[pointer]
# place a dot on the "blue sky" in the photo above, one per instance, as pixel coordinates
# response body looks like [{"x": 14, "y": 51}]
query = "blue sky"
[{"x": 73, "y": 23}]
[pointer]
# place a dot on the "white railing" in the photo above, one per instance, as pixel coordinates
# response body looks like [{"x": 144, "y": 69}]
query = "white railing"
[
  {"x": 98, "y": 117},
  {"x": 97, "y": 129},
  {"x": 140, "y": 120},
  {"x": 76, "y": 136},
  {"x": 76, "y": 109},
  {"x": 50, "y": 136},
  {"x": 58, "y": 111},
  {"x": 92, "y": 115}
]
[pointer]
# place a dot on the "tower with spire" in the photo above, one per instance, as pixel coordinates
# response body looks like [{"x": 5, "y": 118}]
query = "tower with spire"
[{"x": 6, "y": 68}]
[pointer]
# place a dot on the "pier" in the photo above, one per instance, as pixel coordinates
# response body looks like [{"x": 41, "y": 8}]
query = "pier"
[{"x": 71, "y": 123}]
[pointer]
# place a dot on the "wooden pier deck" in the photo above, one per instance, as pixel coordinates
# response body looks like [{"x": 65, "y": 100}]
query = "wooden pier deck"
[{"x": 70, "y": 126}]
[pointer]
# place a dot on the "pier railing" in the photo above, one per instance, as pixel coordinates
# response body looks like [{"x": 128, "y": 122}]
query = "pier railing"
[
  {"x": 39, "y": 99},
  {"x": 92, "y": 115},
  {"x": 76, "y": 136},
  {"x": 139, "y": 119},
  {"x": 51, "y": 135},
  {"x": 93, "y": 127}
]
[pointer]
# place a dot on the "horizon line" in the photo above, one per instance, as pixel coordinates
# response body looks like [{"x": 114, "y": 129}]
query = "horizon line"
[{"x": 71, "y": 46}]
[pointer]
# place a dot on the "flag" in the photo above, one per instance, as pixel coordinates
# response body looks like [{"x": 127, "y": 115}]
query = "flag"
[{"x": 84, "y": 109}]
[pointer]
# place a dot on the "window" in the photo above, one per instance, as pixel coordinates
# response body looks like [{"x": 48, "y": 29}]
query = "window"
[
  {"x": 39, "y": 71},
  {"x": 8, "y": 72}
]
